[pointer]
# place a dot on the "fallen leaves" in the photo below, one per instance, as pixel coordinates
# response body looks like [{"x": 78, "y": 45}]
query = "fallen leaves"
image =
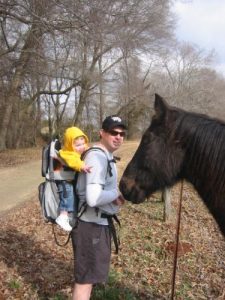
[{"x": 33, "y": 267}]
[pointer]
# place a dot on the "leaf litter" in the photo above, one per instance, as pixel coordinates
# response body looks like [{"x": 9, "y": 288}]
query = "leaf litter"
[{"x": 33, "y": 267}]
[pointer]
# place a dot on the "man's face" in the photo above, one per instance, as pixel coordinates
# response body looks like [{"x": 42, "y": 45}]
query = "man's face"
[{"x": 112, "y": 139}]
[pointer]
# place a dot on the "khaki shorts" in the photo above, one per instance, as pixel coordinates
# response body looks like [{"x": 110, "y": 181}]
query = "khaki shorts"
[{"x": 92, "y": 251}]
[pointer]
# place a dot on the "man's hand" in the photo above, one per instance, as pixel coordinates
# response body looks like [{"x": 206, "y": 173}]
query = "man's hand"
[{"x": 119, "y": 200}]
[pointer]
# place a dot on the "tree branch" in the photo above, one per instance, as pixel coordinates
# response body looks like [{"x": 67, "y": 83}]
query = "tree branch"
[{"x": 54, "y": 92}]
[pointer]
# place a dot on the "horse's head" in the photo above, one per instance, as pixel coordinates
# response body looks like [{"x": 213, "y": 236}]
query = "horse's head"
[{"x": 157, "y": 161}]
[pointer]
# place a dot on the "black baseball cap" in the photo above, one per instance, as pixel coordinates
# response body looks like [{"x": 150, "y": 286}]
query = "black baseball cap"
[{"x": 111, "y": 122}]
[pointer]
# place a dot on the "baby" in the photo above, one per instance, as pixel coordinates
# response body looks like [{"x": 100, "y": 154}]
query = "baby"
[{"x": 75, "y": 142}]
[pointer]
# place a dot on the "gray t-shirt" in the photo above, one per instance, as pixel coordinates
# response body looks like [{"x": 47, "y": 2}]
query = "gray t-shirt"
[{"x": 98, "y": 189}]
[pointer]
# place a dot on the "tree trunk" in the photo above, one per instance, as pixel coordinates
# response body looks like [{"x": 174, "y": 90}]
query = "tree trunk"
[
  {"x": 17, "y": 80},
  {"x": 101, "y": 97},
  {"x": 82, "y": 100}
]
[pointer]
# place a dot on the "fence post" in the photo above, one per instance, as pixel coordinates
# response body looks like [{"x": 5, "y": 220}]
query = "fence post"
[{"x": 166, "y": 198}]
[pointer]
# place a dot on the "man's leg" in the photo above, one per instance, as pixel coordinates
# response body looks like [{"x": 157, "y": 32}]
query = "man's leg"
[{"x": 82, "y": 291}]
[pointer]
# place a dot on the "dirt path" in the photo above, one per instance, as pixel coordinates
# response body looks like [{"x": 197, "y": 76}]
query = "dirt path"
[{"x": 18, "y": 184}]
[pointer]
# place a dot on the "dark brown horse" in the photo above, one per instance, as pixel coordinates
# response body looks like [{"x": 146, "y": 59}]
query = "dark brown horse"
[{"x": 179, "y": 145}]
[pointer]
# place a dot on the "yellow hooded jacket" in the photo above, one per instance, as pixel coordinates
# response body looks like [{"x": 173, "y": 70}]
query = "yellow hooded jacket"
[{"x": 67, "y": 153}]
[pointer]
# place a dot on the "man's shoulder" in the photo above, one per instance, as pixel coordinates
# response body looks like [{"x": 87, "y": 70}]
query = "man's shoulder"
[{"x": 95, "y": 153}]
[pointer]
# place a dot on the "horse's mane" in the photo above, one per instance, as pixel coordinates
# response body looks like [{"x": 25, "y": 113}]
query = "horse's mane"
[{"x": 204, "y": 140}]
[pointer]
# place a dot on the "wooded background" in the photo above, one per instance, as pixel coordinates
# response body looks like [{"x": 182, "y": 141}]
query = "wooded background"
[{"x": 72, "y": 62}]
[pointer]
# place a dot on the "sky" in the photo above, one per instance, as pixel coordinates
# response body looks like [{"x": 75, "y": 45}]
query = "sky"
[{"x": 202, "y": 22}]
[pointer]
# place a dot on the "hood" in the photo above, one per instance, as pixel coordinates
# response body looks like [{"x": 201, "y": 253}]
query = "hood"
[{"x": 70, "y": 134}]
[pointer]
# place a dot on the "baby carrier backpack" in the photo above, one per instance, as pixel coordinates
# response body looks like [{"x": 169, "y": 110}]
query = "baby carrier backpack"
[{"x": 54, "y": 170}]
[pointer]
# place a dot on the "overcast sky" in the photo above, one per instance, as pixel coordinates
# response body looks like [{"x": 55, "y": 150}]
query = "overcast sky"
[{"x": 203, "y": 22}]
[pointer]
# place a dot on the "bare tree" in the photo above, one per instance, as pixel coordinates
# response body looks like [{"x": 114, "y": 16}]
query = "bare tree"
[
  {"x": 55, "y": 51},
  {"x": 27, "y": 41},
  {"x": 117, "y": 28},
  {"x": 183, "y": 79},
  {"x": 134, "y": 90}
]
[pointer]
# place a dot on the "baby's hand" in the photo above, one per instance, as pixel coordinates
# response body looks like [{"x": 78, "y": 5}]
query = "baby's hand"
[{"x": 86, "y": 169}]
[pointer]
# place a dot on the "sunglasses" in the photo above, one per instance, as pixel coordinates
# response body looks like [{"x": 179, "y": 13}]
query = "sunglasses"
[{"x": 115, "y": 133}]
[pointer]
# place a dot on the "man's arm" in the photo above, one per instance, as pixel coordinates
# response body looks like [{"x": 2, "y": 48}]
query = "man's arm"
[
  {"x": 96, "y": 196},
  {"x": 95, "y": 181}
]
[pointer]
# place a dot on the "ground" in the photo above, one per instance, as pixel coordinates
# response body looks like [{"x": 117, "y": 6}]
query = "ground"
[
  {"x": 18, "y": 184},
  {"x": 33, "y": 267}
]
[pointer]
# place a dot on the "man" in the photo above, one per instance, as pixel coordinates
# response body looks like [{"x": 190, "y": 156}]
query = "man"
[{"x": 98, "y": 189}]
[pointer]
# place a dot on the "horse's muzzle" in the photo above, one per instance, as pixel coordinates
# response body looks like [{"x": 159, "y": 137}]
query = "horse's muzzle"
[{"x": 131, "y": 191}]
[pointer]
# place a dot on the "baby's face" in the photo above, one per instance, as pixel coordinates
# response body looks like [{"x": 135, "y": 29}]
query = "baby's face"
[{"x": 79, "y": 145}]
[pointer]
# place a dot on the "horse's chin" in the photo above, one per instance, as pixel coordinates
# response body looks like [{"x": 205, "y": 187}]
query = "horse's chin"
[
  {"x": 136, "y": 195},
  {"x": 131, "y": 191}
]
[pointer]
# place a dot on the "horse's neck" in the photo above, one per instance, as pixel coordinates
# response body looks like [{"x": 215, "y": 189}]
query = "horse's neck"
[
  {"x": 202, "y": 169},
  {"x": 203, "y": 163}
]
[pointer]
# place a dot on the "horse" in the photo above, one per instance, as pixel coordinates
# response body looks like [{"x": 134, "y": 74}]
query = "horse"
[{"x": 179, "y": 145}]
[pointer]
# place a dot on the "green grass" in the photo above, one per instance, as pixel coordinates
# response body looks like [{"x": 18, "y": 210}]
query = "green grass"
[
  {"x": 113, "y": 290},
  {"x": 13, "y": 284}
]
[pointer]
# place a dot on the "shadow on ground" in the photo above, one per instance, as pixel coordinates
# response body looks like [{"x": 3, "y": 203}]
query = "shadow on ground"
[
  {"x": 48, "y": 274},
  {"x": 42, "y": 270}
]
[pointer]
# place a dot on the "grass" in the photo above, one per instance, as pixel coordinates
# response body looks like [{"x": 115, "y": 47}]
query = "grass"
[
  {"x": 112, "y": 291},
  {"x": 14, "y": 284}
]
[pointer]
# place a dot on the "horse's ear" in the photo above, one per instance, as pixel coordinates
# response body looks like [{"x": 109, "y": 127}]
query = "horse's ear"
[{"x": 160, "y": 106}]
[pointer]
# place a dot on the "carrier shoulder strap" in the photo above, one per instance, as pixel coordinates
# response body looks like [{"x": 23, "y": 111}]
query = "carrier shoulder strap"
[
  {"x": 96, "y": 148},
  {"x": 51, "y": 170},
  {"x": 93, "y": 148}
]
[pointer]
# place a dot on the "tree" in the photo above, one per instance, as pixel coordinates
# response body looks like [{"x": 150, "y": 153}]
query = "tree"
[
  {"x": 63, "y": 51},
  {"x": 113, "y": 28},
  {"x": 27, "y": 41},
  {"x": 133, "y": 97},
  {"x": 181, "y": 79}
]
